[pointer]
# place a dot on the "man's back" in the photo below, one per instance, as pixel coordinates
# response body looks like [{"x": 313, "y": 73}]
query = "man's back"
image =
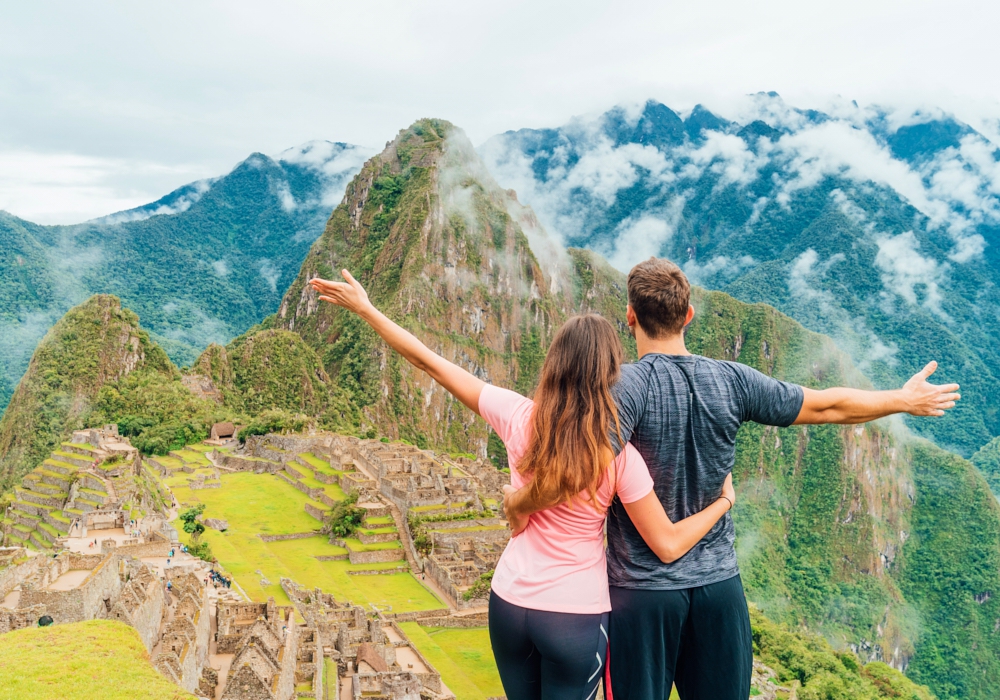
[{"x": 682, "y": 413}]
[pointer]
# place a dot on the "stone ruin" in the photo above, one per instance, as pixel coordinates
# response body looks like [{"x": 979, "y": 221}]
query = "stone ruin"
[
  {"x": 407, "y": 482},
  {"x": 373, "y": 656}
]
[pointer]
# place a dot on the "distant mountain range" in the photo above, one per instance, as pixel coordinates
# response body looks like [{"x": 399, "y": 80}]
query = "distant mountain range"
[
  {"x": 878, "y": 229},
  {"x": 200, "y": 265}
]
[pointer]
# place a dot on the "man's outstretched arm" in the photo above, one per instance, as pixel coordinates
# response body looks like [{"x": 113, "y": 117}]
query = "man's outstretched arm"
[{"x": 918, "y": 397}]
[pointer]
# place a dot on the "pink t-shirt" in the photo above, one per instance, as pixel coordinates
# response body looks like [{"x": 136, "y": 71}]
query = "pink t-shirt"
[{"x": 557, "y": 563}]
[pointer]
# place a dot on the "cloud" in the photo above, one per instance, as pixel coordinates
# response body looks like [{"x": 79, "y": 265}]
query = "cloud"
[
  {"x": 221, "y": 268},
  {"x": 175, "y": 203},
  {"x": 721, "y": 267},
  {"x": 637, "y": 239},
  {"x": 285, "y": 198},
  {"x": 905, "y": 271},
  {"x": 852, "y": 334},
  {"x": 335, "y": 163},
  {"x": 67, "y": 188},
  {"x": 727, "y": 155},
  {"x": 270, "y": 273}
]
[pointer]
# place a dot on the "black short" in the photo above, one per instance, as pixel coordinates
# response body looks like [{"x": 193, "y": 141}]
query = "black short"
[
  {"x": 547, "y": 655},
  {"x": 697, "y": 638}
]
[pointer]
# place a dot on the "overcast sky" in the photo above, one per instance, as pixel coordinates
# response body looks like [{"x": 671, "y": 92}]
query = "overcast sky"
[{"x": 108, "y": 105}]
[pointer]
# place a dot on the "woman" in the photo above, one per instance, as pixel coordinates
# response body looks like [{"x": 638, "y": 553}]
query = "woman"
[{"x": 549, "y": 601}]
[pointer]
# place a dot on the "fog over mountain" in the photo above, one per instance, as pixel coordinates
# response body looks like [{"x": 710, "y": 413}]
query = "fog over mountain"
[
  {"x": 873, "y": 225},
  {"x": 201, "y": 265}
]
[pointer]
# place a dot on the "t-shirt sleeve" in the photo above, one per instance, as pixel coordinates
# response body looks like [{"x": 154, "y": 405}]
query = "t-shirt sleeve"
[
  {"x": 633, "y": 479},
  {"x": 768, "y": 400},
  {"x": 630, "y": 395},
  {"x": 509, "y": 414}
]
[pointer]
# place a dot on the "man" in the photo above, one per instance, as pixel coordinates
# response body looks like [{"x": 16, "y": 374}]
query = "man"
[{"x": 687, "y": 623}]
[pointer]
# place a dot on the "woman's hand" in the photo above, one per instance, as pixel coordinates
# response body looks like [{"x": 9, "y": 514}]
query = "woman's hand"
[
  {"x": 350, "y": 295},
  {"x": 517, "y": 522},
  {"x": 728, "y": 491}
]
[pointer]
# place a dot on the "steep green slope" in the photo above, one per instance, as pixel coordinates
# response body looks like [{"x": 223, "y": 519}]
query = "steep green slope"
[
  {"x": 444, "y": 251},
  {"x": 94, "y": 343},
  {"x": 201, "y": 265},
  {"x": 275, "y": 369},
  {"x": 987, "y": 460}
]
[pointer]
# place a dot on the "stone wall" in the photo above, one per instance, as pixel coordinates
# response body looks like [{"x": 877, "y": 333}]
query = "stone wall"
[
  {"x": 290, "y": 536},
  {"x": 11, "y": 620},
  {"x": 315, "y": 512},
  {"x": 11, "y": 576},
  {"x": 156, "y": 548},
  {"x": 375, "y": 556},
  {"x": 86, "y": 601}
]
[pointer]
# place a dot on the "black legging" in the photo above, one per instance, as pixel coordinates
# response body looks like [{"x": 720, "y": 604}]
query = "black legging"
[{"x": 550, "y": 655}]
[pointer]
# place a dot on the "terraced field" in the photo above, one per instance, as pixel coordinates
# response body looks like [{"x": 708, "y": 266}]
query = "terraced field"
[
  {"x": 281, "y": 504},
  {"x": 41, "y": 511}
]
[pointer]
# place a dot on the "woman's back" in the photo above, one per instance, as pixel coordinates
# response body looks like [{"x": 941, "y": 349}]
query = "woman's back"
[{"x": 557, "y": 563}]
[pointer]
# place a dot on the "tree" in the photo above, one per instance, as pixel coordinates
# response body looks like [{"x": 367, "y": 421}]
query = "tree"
[{"x": 190, "y": 520}]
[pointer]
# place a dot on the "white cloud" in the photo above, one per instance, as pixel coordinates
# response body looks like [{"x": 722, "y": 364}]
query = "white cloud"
[
  {"x": 285, "y": 198},
  {"x": 67, "y": 188},
  {"x": 852, "y": 334},
  {"x": 270, "y": 273},
  {"x": 336, "y": 163},
  {"x": 221, "y": 268},
  {"x": 724, "y": 154},
  {"x": 906, "y": 271},
  {"x": 721, "y": 266},
  {"x": 643, "y": 237}
]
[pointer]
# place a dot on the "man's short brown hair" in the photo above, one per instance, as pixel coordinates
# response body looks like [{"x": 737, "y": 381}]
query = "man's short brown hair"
[{"x": 660, "y": 294}]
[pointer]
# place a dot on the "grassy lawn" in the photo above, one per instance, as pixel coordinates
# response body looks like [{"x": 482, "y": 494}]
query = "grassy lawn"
[
  {"x": 263, "y": 503},
  {"x": 93, "y": 660},
  {"x": 357, "y": 546},
  {"x": 462, "y": 656},
  {"x": 380, "y": 521}
]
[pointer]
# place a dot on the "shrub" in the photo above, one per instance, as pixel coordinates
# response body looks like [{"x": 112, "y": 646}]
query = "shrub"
[
  {"x": 481, "y": 588},
  {"x": 345, "y": 517}
]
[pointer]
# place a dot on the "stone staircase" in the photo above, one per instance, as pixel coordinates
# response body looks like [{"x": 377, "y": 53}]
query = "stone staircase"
[{"x": 40, "y": 513}]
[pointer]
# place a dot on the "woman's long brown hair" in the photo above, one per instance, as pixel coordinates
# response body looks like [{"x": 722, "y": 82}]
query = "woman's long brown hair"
[{"x": 570, "y": 447}]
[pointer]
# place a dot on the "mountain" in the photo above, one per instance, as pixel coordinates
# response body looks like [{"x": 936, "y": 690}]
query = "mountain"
[
  {"x": 93, "y": 344},
  {"x": 867, "y": 536},
  {"x": 877, "y": 228},
  {"x": 848, "y": 531},
  {"x": 201, "y": 265}
]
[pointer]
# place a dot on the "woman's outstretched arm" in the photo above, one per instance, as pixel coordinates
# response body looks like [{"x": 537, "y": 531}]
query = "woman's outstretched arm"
[
  {"x": 463, "y": 385},
  {"x": 670, "y": 541}
]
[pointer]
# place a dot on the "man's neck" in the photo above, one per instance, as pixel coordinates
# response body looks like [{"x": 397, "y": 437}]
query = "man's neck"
[{"x": 673, "y": 345}]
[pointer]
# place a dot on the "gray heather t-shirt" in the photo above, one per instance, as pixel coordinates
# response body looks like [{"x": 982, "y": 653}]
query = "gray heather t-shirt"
[{"x": 682, "y": 413}]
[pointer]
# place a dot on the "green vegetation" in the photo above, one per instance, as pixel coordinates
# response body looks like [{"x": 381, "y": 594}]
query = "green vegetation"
[
  {"x": 204, "y": 274},
  {"x": 94, "y": 660},
  {"x": 345, "y": 517},
  {"x": 951, "y": 576},
  {"x": 987, "y": 461},
  {"x": 823, "y": 673},
  {"x": 274, "y": 420},
  {"x": 263, "y": 504},
  {"x": 463, "y": 657},
  {"x": 94, "y": 343},
  {"x": 481, "y": 588}
]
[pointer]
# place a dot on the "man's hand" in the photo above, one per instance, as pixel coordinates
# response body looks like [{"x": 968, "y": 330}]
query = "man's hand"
[
  {"x": 918, "y": 397},
  {"x": 351, "y": 295},
  {"x": 925, "y": 399},
  {"x": 517, "y": 521}
]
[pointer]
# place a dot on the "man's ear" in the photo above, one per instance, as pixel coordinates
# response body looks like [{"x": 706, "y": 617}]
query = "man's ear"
[
  {"x": 630, "y": 316},
  {"x": 689, "y": 317}
]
